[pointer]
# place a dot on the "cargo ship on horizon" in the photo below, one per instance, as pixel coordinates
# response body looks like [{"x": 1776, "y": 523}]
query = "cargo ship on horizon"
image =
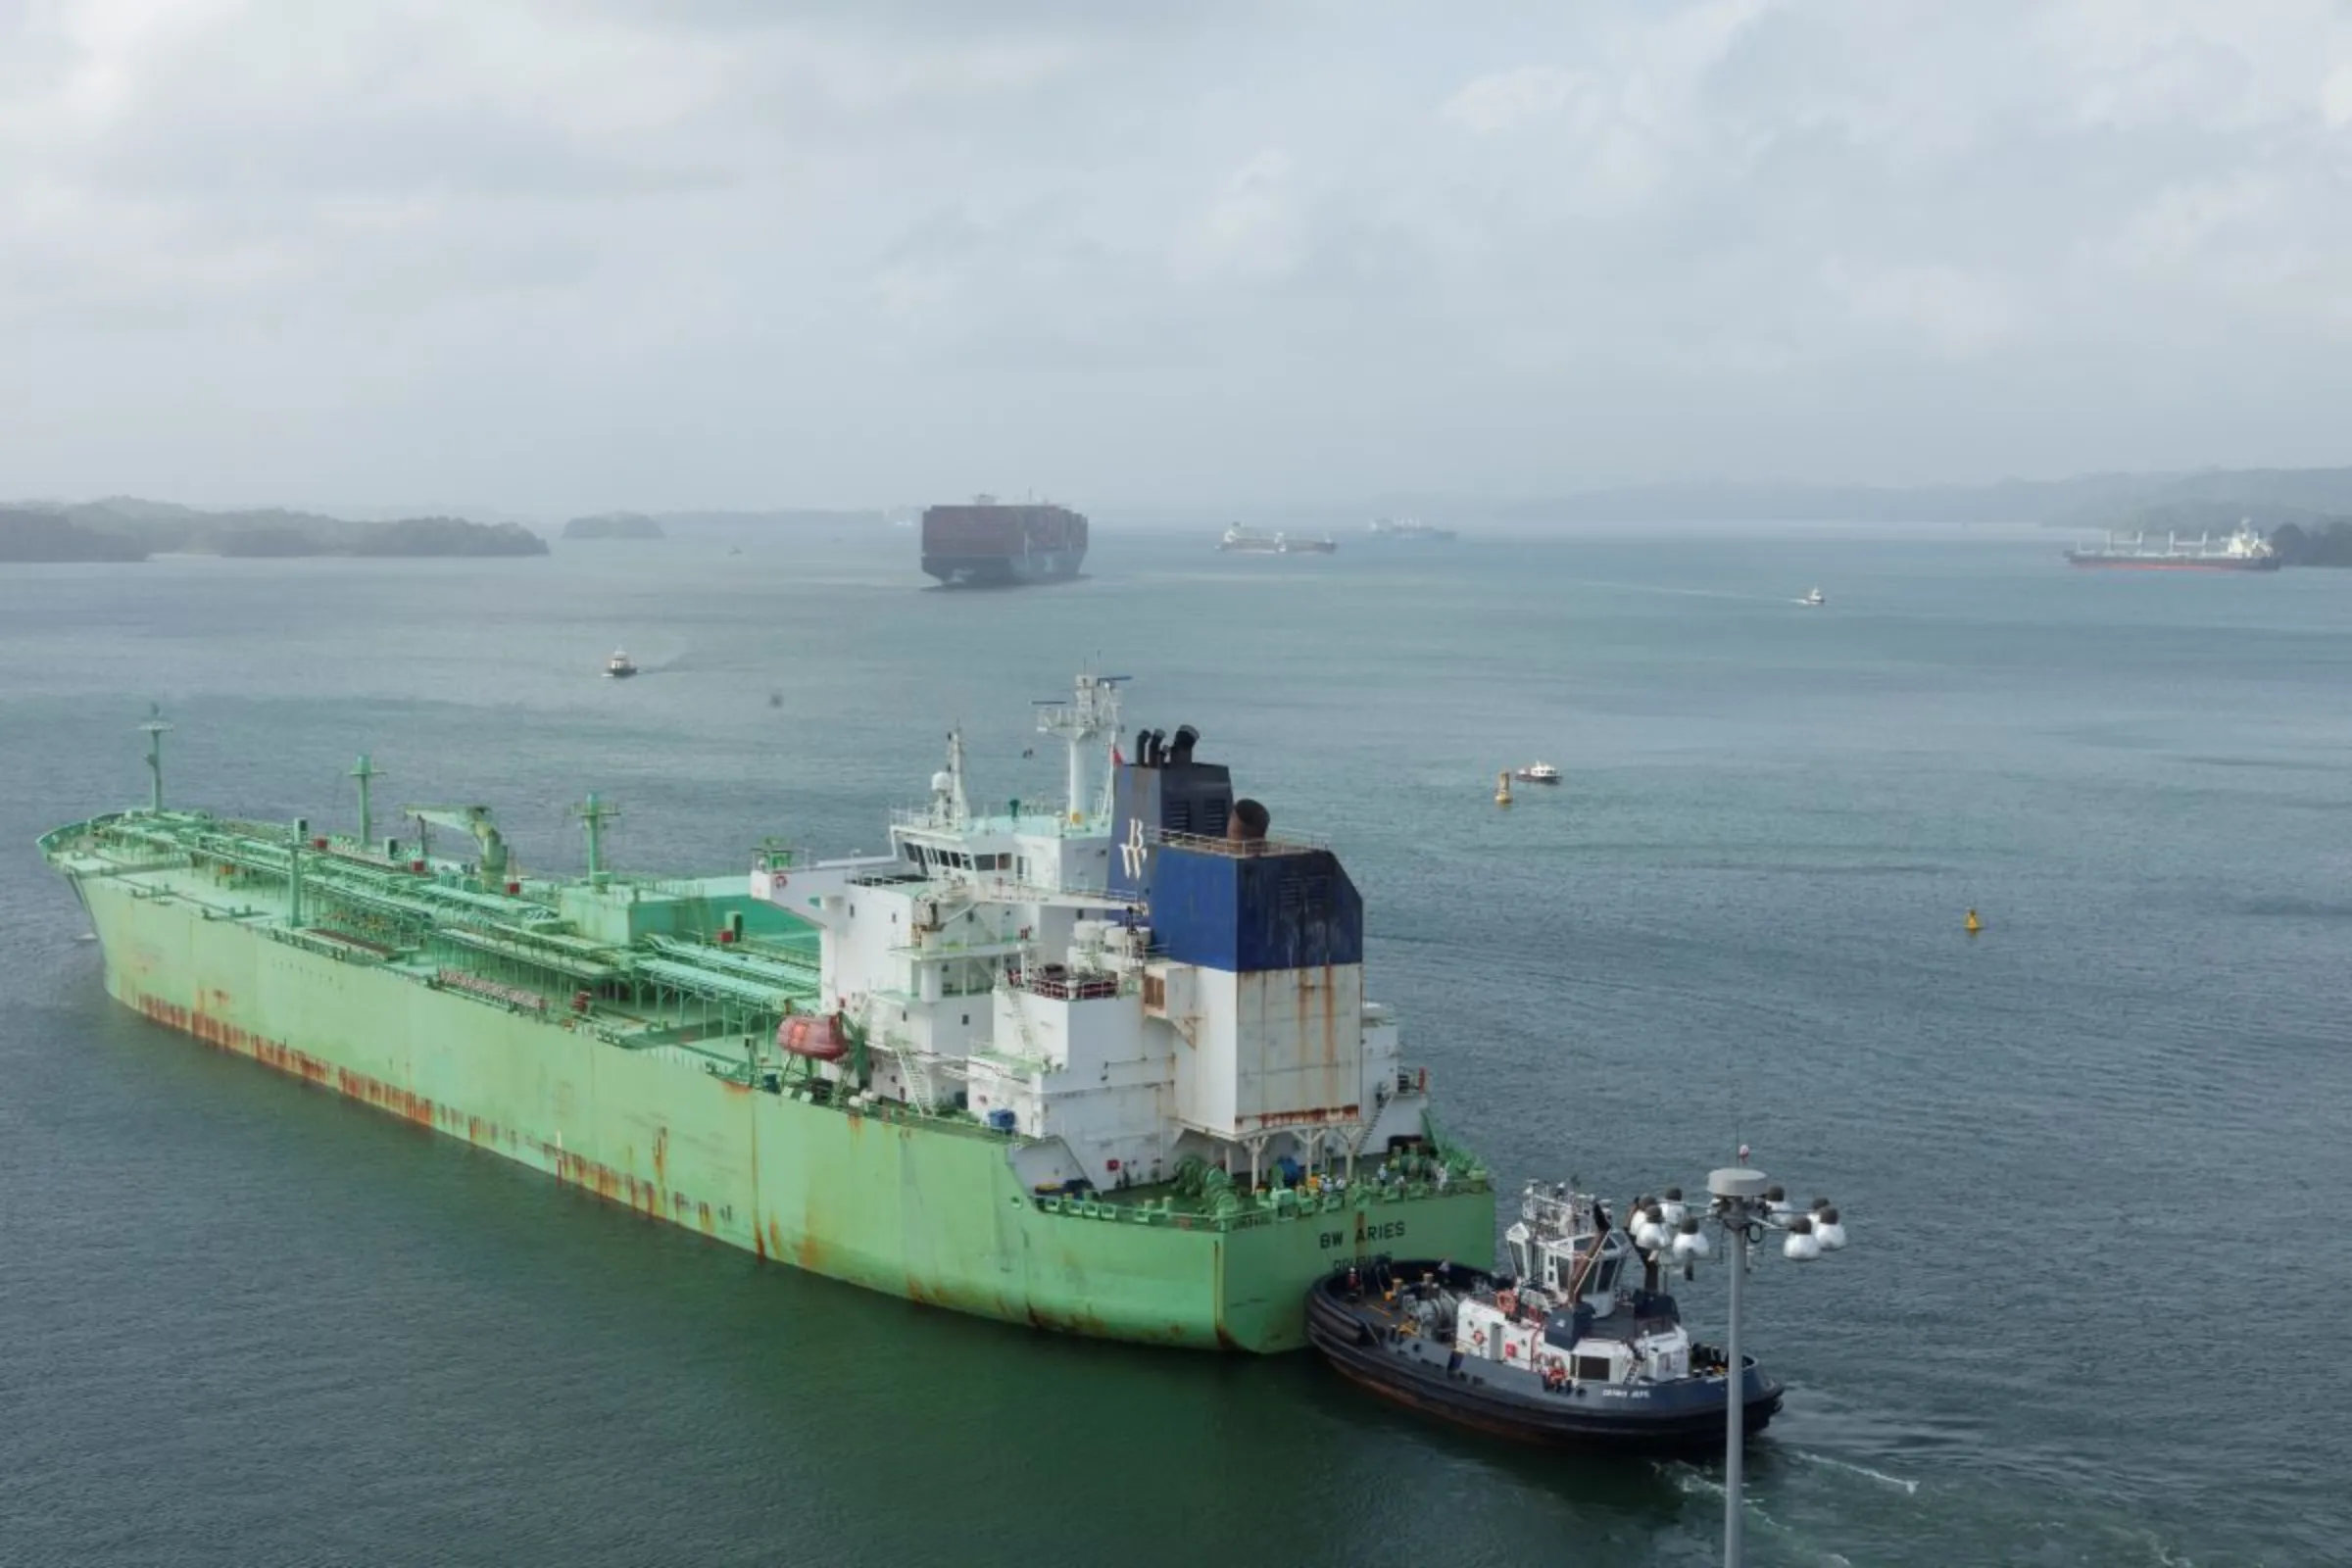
[
  {"x": 1250, "y": 542},
  {"x": 988, "y": 543},
  {"x": 1104, "y": 1065},
  {"x": 2244, "y": 550},
  {"x": 1406, "y": 528}
]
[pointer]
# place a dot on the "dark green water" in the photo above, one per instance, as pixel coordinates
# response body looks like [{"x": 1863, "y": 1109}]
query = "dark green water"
[{"x": 2094, "y": 1309}]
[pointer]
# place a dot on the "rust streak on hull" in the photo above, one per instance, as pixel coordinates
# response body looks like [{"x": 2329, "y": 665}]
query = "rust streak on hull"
[{"x": 574, "y": 1169}]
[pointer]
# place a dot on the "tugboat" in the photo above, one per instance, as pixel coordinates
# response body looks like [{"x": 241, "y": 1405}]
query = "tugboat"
[
  {"x": 618, "y": 667},
  {"x": 1538, "y": 773},
  {"x": 1553, "y": 1349}
]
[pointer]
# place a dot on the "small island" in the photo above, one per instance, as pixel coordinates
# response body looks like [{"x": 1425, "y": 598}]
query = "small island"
[
  {"x": 447, "y": 536},
  {"x": 614, "y": 525},
  {"x": 2314, "y": 542},
  {"x": 124, "y": 528}
]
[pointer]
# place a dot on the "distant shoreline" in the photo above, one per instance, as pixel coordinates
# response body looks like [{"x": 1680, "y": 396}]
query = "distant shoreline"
[{"x": 120, "y": 532}]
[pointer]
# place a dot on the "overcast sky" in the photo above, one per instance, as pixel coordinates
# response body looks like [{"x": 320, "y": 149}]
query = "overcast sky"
[{"x": 565, "y": 255}]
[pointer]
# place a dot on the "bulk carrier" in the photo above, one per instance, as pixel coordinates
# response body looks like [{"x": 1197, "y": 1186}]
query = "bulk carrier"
[
  {"x": 2244, "y": 550},
  {"x": 992, "y": 544},
  {"x": 1106, "y": 1065}
]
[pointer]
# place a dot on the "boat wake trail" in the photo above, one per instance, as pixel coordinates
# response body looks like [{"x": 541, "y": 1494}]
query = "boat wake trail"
[
  {"x": 1691, "y": 1481},
  {"x": 1910, "y": 1489}
]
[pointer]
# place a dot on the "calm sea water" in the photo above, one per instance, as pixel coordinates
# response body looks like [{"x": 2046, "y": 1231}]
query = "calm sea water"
[{"x": 2091, "y": 1157}]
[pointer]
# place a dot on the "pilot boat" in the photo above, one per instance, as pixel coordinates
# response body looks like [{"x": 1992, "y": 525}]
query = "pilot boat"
[{"x": 1571, "y": 1343}]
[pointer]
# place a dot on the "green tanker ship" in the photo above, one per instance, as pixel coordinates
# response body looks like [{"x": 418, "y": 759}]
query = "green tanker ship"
[{"x": 1105, "y": 1067}]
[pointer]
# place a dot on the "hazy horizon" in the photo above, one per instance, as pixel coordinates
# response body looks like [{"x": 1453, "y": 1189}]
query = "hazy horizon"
[{"x": 537, "y": 260}]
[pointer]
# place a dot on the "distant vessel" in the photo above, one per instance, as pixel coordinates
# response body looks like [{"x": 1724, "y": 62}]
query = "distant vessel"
[
  {"x": 620, "y": 666},
  {"x": 1558, "y": 1347},
  {"x": 2244, "y": 550},
  {"x": 1539, "y": 773},
  {"x": 989, "y": 544},
  {"x": 1406, "y": 528},
  {"x": 1248, "y": 541},
  {"x": 1813, "y": 599}
]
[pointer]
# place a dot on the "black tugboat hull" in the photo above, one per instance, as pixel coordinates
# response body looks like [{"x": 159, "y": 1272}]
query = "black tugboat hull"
[{"x": 1659, "y": 1419}]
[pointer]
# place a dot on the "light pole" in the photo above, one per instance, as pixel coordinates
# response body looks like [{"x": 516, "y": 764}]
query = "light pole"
[{"x": 1748, "y": 1207}]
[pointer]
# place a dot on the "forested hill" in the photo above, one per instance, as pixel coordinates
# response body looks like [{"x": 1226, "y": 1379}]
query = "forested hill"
[{"x": 124, "y": 528}]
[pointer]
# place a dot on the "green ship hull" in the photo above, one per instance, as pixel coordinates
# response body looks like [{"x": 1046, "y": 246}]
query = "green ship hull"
[{"x": 645, "y": 1084}]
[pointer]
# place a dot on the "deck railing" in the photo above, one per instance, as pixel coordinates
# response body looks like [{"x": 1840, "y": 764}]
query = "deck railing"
[
  {"x": 1065, "y": 986},
  {"x": 1268, "y": 1209},
  {"x": 1217, "y": 843}
]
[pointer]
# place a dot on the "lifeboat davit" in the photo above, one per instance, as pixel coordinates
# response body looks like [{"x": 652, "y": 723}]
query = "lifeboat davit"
[{"x": 819, "y": 1037}]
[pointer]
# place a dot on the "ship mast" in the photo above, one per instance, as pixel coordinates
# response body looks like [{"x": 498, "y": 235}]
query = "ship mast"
[
  {"x": 156, "y": 730},
  {"x": 365, "y": 770},
  {"x": 948, "y": 785},
  {"x": 1092, "y": 714},
  {"x": 594, "y": 814}
]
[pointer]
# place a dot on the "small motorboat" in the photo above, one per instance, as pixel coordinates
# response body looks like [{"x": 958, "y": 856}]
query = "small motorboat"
[
  {"x": 1538, "y": 773},
  {"x": 1560, "y": 1347},
  {"x": 618, "y": 667},
  {"x": 1812, "y": 599}
]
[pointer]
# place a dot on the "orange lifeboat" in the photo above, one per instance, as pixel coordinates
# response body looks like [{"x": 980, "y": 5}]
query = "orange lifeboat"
[{"x": 819, "y": 1037}]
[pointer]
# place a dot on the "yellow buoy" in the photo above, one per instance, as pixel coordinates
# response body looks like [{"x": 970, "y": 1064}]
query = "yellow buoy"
[
  {"x": 1975, "y": 925},
  {"x": 1502, "y": 788}
]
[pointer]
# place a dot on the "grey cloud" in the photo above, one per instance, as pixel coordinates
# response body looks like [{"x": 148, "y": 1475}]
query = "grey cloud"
[{"x": 1341, "y": 247}]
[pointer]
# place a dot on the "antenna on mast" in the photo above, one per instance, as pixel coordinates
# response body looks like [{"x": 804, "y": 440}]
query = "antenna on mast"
[
  {"x": 1092, "y": 714},
  {"x": 948, "y": 803}
]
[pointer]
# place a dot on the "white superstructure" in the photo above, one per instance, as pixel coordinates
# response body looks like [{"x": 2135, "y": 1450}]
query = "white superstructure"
[{"x": 1009, "y": 966}]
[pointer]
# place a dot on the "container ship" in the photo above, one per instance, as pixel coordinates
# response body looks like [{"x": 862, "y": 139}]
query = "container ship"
[
  {"x": 991, "y": 545},
  {"x": 1104, "y": 1065},
  {"x": 2243, "y": 551},
  {"x": 1248, "y": 541}
]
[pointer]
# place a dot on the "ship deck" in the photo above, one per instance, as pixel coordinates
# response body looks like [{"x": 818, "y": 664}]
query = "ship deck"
[
  {"x": 679, "y": 983},
  {"x": 678, "y": 987}
]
